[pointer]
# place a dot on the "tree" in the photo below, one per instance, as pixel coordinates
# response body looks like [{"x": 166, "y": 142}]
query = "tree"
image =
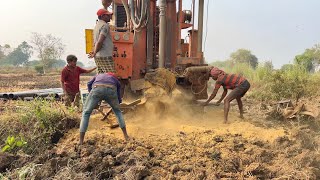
[
  {"x": 49, "y": 48},
  {"x": 1, "y": 53},
  {"x": 305, "y": 61},
  {"x": 4, "y": 51},
  {"x": 34, "y": 63},
  {"x": 221, "y": 64},
  {"x": 20, "y": 55},
  {"x": 309, "y": 57},
  {"x": 244, "y": 56},
  {"x": 26, "y": 49},
  {"x": 59, "y": 63},
  {"x": 286, "y": 67},
  {"x": 268, "y": 65}
]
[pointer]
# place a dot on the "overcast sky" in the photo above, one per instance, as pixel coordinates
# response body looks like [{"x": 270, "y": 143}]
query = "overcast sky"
[{"x": 274, "y": 30}]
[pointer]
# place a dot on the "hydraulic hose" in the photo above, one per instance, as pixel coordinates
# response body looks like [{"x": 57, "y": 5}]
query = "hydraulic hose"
[
  {"x": 139, "y": 19},
  {"x": 126, "y": 7}
]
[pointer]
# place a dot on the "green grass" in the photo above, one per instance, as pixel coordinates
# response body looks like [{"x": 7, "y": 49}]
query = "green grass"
[
  {"x": 269, "y": 85},
  {"x": 36, "y": 123}
]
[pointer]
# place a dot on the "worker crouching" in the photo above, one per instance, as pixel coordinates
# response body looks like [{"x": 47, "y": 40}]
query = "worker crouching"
[
  {"x": 102, "y": 87},
  {"x": 236, "y": 82}
]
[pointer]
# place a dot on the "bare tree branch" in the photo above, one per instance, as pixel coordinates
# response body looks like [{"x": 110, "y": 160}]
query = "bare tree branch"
[{"x": 49, "y": 48}]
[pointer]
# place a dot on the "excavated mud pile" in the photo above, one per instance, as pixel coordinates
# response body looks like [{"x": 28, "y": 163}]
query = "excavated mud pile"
[
  {"x": 162, "y": 78},
  {"x": 198, "y": 155}
]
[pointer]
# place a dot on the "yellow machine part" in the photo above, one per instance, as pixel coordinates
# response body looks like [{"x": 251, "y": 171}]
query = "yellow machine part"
[{"x": 89, "y": 40}]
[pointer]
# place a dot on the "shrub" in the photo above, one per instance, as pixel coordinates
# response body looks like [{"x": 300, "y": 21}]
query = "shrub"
[
  {"x": 40, "y": 122},
  {"x": 39, "y": 69},
  {"x": 291, "y": 83}
]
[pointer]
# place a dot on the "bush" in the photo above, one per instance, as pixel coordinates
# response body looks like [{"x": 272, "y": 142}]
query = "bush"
[
  {"x": 39, "y": 69},
  {"x": 254, "y": 76},
  {"x": 291, "y": 83},
  {"x": 39, "y": 123}
]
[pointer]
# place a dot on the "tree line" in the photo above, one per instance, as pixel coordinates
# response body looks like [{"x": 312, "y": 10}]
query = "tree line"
[
  {"x": 48, "y": 49},
  {"x": 309, "y": 60}
]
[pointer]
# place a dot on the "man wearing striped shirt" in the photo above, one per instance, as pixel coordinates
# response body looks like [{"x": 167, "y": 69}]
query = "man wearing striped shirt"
[{"x": 236, "y": 82}]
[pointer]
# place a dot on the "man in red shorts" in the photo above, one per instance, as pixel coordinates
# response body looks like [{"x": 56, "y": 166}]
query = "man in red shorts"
[{"x": 236, "y": 82}]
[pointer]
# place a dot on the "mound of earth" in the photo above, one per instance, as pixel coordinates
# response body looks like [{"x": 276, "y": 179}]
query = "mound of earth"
[
  {"x": 180, "y": 146},
  {"x": 197, "y": 155}
]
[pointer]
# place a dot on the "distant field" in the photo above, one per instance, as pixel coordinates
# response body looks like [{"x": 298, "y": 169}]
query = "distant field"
[{"x": 27, "y": 81}]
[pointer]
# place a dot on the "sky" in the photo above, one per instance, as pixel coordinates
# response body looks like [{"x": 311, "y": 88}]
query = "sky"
[{"x": 274, "y": 30}]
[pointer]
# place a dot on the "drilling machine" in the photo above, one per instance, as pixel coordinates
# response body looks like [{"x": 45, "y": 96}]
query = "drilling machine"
[{"x": 147, "y": 35}]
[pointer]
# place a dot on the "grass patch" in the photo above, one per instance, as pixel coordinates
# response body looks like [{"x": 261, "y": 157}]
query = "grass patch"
[
  {"x": 38, "y": 124},
  {"x": 293, "y": 82}
]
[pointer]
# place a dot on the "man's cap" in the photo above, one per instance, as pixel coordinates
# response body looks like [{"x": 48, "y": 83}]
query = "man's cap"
[{"x": 103, "y": 11}]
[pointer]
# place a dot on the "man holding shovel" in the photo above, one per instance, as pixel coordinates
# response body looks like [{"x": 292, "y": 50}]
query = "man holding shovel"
[{"x": 106, "y": 87}]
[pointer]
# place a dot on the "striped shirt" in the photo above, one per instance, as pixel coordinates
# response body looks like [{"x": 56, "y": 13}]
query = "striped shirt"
[{"x": 229, "y": 81}]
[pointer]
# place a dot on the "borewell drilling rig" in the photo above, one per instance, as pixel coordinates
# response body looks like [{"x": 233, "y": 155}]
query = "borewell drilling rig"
[{"x": 147, "y": 35}]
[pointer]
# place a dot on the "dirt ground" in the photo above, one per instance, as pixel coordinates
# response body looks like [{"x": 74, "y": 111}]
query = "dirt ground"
[
  {"x": 175, "y": 140},
  {"x": 30, "y": 81},
  {"x": 198, "y": 147}
]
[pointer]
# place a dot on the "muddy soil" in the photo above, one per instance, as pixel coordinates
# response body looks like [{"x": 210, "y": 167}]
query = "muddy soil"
[{"x": 178, "y": 147}]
